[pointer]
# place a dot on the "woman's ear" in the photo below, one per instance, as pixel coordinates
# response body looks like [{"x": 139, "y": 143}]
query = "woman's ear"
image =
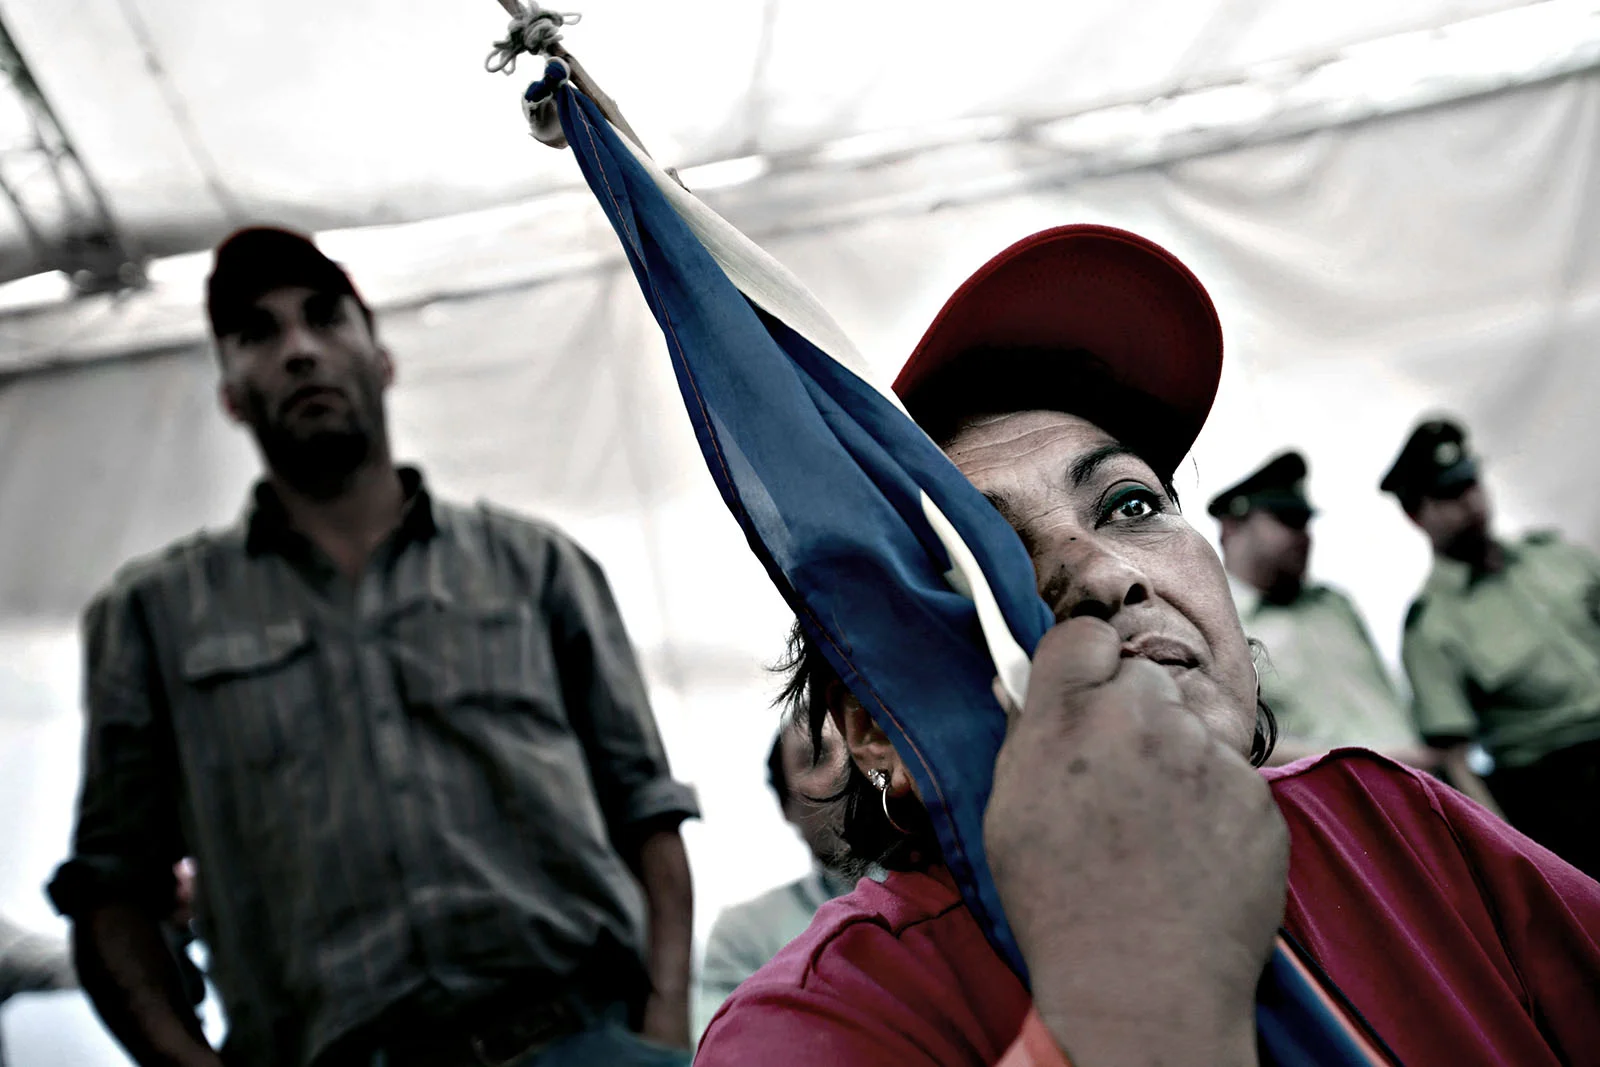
[{"x": 868, "y": 745}]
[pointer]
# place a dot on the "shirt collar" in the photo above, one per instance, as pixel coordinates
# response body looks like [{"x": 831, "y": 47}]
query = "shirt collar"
[
  {"x": 822, "y": 884},
  {"x": 832, "y": 882},
  {"x": 268, "y": 528}
]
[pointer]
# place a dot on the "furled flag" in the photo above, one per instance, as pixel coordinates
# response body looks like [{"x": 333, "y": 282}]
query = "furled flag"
[{"x": 905, "y": 578}]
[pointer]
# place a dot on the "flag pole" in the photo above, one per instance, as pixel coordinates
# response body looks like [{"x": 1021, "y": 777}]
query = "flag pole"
[{"x": 546, "y": 127}]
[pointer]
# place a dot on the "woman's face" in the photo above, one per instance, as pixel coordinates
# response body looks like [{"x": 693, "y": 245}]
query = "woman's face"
[{"x": 1106, "y": 540}]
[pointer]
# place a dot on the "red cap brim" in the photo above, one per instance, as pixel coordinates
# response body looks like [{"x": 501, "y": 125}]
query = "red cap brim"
[{"x": 1125, "y": 300}]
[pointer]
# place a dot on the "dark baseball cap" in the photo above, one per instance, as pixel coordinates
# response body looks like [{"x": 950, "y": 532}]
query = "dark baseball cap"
[
  {"x": 1087, "y": 319},
  {"x": 1277, "y": 486},
  {"x": 1434, "y": 462},
  {"x": 259, "y": 259}
]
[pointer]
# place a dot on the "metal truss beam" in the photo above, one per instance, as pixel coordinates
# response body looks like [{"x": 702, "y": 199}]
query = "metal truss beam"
[{"x": 58, "y": 206}]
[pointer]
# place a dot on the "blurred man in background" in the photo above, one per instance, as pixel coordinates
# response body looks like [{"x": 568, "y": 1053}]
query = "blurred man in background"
[
  {"x": 1322, "y": 677},
  {"x": 405, "y": 742},
  {"x": 31, "y": 963},
  {"x": 1503, "y": 645},
  {"x": 745, "y": 936}
]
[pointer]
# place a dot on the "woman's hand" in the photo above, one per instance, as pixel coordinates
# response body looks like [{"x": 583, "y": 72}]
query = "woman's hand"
[{"x": 1141, "y": 863}]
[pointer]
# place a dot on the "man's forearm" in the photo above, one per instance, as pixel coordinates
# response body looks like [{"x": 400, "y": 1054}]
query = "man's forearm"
[
  {"x": 128, "y": 971},
  {"x": 662, "y": 867}
]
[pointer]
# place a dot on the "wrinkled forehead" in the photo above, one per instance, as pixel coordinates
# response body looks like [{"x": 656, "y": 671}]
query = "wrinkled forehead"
[{"x": 1016, "y": 450}]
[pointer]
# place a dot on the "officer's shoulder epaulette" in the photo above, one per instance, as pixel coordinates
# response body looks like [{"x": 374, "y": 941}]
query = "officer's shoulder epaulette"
[
  {"x": 1414, "y": 612},
  {"x": 1542, "y": 537}
]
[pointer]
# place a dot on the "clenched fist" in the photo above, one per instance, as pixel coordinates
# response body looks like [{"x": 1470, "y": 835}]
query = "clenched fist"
[{"x": 1141, "y": 862}]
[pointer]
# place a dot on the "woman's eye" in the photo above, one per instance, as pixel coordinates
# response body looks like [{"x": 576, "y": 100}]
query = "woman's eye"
[{"x": 1133, "y": 503}]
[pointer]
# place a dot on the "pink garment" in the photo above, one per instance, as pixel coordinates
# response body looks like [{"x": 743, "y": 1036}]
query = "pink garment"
[{"x": 1459, "y": 941}]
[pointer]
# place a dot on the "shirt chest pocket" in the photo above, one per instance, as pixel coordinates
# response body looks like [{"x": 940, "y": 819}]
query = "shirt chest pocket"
[
  {"x": 491, "y": 657},
  {"x": 1514, "y": 667},
  {"x": 257, "y": 688}
]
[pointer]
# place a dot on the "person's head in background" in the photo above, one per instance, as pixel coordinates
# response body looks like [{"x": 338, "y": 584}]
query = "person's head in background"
[
  {"x": 803, "y": 778},
  {"x": 1436, "y": 480},
  {"x": 1264, "y": 522},
  {"x": 301, "y": 364}
]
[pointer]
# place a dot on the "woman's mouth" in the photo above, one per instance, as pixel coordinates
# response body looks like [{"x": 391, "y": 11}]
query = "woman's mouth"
[{"x": 1163, "y": 651}]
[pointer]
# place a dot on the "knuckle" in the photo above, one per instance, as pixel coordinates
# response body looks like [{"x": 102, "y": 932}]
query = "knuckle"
[{"x": 1076, "y": 643}]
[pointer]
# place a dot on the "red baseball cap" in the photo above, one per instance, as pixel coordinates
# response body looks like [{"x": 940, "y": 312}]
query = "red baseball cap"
[{"x": 1088, "y": 319}]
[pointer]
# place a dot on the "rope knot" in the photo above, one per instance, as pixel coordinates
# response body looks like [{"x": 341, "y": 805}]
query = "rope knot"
[{"x": 534, "y": 31}]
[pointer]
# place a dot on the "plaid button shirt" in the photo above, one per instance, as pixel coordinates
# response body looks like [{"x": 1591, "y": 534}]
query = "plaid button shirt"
[{"x": 403, "y": 792}]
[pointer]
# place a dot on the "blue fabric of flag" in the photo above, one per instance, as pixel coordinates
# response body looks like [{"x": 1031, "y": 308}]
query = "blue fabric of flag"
[{"x": 826, "y": 475}]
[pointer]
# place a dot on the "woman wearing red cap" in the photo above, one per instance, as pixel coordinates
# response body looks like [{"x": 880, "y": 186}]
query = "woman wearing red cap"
[{"x": 1144, "y": 863}]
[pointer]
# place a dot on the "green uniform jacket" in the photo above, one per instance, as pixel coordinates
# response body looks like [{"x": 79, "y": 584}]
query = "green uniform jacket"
[
  {"x": 1322, "y": 676},
  {"x": 1510, "y": 658}
]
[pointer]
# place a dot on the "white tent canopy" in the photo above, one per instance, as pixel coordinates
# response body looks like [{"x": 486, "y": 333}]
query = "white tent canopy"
[
  {"x": 1422, "y": 258},
  {"x": 197, "y": 117}
]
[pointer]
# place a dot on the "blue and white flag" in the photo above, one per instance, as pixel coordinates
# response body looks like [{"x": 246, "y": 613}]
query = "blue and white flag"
[
  {"x": 882, "y": 548},
  {"x": 904, "y": 577}
]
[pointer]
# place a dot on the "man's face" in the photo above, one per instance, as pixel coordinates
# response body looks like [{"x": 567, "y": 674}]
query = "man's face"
[
  {"x": 1106, "y": 540},
  {"x": 1277, "y": 549},
  {"x": 1457, "y": 524},
  {"x": 305, "y": 373},
  {"x": 809, "y": 785}
]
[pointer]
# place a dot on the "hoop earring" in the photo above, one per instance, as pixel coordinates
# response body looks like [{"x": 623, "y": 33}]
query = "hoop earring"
[{"x": 881, "y": 781}]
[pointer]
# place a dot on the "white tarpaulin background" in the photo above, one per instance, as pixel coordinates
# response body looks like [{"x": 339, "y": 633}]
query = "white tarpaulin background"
[
  {"x": 1442, "y": 258},
  {"x": 196, "y": 115}
]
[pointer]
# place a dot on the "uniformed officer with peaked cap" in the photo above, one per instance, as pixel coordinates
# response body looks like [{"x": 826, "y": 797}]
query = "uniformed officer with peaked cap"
[
  {"x": 1502, "y": 646},
  {"x": 1434, "y": 463},
  {"x": 1277, "y": 487},
  {"x": 1321, "y": 675}
]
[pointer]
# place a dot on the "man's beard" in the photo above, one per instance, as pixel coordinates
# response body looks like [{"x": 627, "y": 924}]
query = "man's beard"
[
  {"x": 318, "y": 463},
  {"x": 1286, "y": 578},
  {"x": 1285, "y": 588},
  {"x": 1470, "y": 545}
]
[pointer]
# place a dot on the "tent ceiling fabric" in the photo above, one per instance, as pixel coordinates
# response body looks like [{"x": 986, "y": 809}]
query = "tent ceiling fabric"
[
  {"x": 195, "y": 117},
  {"x": 556, "y": 236}
]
